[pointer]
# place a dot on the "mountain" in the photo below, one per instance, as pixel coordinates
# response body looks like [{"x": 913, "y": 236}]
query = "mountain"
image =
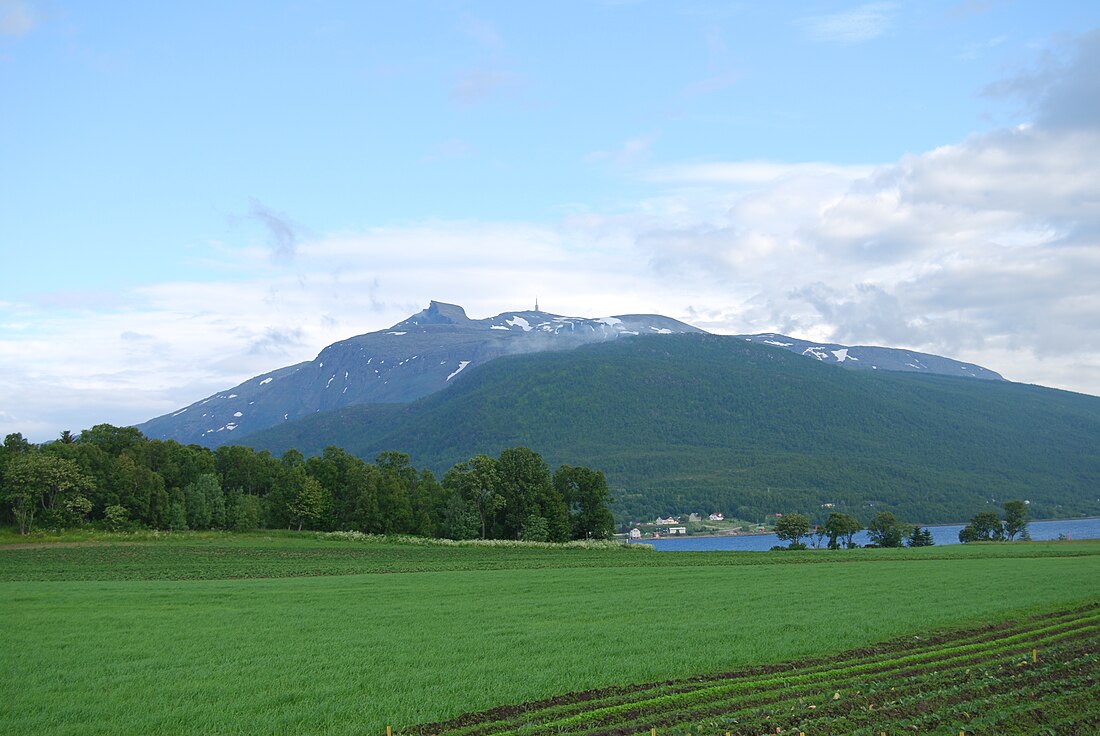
[
  {"x": 875, "y": 358},
  {"x": 440, "y": 345},
  {"x": 414, "y": 358},
  {"x": 700, "y": 422}
]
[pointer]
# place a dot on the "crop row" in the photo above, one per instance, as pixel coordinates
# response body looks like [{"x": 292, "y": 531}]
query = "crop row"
[
  {"x": 605, "y": 705},
  {"x": 966, "y": 679}
]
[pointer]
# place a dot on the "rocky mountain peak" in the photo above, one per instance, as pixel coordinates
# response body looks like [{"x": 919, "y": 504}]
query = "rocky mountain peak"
[{"x": 441, "y": 313}]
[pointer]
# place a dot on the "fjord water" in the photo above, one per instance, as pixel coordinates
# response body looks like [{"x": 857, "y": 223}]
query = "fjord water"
[{"x": 944, "y": 534}]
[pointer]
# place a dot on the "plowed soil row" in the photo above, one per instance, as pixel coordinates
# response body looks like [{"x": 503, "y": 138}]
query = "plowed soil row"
[{"x": 981, "y": 680}]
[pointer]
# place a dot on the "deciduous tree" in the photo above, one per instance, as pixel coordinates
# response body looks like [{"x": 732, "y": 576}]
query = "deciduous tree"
[
  {"x": 841, "y": 527},
  {"x": 791, "y": 528},
  {"x": 586, "y": 497},
  {"x": 984, "y": 527},
  {"x": 1015, "y": 519},
  {"x": 37, "y": 482},
  {"x": 885, "y": 530}
]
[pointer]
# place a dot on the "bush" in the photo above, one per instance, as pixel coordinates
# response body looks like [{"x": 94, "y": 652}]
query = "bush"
[{"x": 117, "y": 519}]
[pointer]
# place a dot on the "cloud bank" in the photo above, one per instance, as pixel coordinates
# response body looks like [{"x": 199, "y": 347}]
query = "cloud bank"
[{"x": 986, "y": 250}]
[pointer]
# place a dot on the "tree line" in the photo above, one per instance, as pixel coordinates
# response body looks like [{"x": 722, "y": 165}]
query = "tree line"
[
  {"x": 116, "y": 478},
  {"x": 884, "y": 530},
  {"x": 987, "y": 527}
]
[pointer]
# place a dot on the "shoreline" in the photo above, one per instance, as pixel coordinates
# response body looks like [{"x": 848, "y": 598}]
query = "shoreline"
[{"x": 772, "y": 533}]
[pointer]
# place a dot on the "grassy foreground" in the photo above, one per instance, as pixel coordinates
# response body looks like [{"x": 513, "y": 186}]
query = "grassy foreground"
[{"x": 303, "y": 635}]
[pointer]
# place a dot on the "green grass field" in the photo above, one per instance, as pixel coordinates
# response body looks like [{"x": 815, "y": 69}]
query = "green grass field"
[
  {"x": 1012, "y": 678},
  {"x": 296, "y": 634}
]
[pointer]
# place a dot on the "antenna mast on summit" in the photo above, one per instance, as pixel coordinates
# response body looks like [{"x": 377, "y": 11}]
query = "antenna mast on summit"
[{"x": 536, "y": 304}]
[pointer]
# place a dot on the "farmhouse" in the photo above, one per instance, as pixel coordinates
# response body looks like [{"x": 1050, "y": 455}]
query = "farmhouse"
[
  {"x": 716, "y": 517},
  {"x": 677, "y": 530}
]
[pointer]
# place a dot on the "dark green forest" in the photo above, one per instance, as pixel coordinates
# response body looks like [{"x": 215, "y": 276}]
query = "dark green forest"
[
  {"x": 115, "y": 478},
  {"x": 704, "y": 423}
]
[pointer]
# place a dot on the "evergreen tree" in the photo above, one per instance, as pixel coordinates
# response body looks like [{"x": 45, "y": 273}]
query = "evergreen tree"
[{"x": 920, "y": 537}]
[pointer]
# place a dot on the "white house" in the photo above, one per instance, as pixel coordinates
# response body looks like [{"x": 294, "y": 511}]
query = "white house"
[
  {"x": 677, "y": 530},
  {"x": 635, "y": 533},
  {"x": 716, "y": 517},
  {"x": 669, "y": 520}
]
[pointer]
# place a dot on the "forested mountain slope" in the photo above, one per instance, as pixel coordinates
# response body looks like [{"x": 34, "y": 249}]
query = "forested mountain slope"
[
  {"x": 438, "y": 346},
  {"x": 413, "y": 358},
  {"x": 712, "y": 423}
]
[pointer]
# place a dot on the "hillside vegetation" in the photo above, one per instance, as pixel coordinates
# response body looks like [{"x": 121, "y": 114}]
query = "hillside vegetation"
[{"x": 704, "y": 423}]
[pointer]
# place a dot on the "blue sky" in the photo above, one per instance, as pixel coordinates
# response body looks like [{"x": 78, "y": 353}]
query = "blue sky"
[{"x": 193, "y": 193}]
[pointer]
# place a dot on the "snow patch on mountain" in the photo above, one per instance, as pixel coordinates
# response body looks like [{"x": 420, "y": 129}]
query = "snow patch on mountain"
[{"x": 461, "y": 367}]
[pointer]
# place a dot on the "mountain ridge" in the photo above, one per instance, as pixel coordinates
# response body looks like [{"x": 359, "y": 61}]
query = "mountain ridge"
[
  {"x": 698, "y": 422},
  {"x": 434, "y": 347}
]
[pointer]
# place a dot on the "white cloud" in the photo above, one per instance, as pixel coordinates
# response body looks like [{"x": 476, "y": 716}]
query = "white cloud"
[
  {"x": 987, "y": 250},
  {"x": 752, "y": 172},
  {"x": 864, "y": 23},
  {"x": 481, "y": 31},
  {"x": 17, "y": 17},
  {"x": 631, "y": 152}
]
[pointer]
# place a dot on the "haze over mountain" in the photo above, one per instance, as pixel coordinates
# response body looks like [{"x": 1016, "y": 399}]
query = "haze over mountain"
[{"x": 433, "y": 348}]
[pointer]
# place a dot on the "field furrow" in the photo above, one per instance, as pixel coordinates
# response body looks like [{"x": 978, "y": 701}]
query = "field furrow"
[
  {"x": 983, "y": 680},
  {"x": 611, "y": 705}
]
